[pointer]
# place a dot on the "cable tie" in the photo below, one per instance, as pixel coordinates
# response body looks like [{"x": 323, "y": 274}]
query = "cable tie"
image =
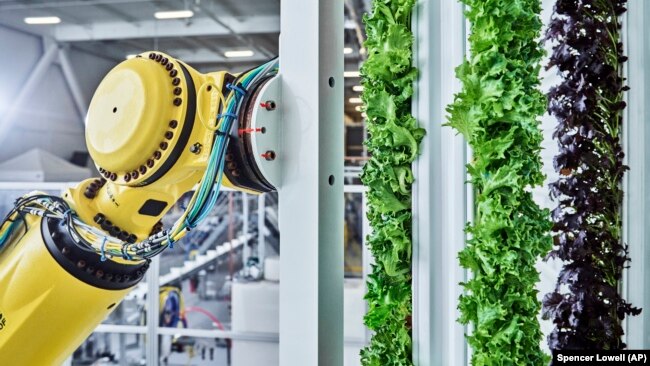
[
  {"x": 170, "y": 242},
  {"x": 125, "y": 253},
  {"x": 236, "y": 88},
  {"x": 228, "y": 114},
  {"x": 103, "y": 248}
]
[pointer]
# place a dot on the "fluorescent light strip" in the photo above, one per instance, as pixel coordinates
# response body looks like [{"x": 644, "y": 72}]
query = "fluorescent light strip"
[
  {"x": 355, "y": 100},
  {"x": 357, "y": 88},
  {"x": 241, "y": 53},
  {"x": 174, "y": 14},
  {"x": 347, "y": 50},
  {"x": 42, "y": 20},
  {"x": 351, "y": 74}
]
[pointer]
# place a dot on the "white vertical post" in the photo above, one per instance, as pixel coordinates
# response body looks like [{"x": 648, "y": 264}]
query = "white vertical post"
[
  {"x": 261, "y": 229},
  {"x": 366, "y": 256},
  {"x": 311, "y": 194},
  {"x": 636, "y": 207},
  {"x": 246, "y": 251},
  {"x": 153, "y": 312},
  {"x": 439, "y": 209}
]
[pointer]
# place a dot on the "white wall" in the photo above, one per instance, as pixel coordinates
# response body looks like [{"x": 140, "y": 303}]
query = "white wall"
[{"x": 49, "y": 119}]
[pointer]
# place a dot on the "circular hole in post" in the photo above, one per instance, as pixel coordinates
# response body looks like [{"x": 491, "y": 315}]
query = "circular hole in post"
[
  {"x": 114, "y": 109},
  {"x": 110, "y": 306},
  {"x": 331, "y": 180},
  {"x": 332, "y": 82}
]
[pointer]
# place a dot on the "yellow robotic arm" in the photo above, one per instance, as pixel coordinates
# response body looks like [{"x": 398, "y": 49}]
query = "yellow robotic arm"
[{"x": 156, "y": 128}]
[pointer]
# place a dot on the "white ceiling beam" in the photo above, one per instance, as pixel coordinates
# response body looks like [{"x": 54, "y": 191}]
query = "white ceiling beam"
[{"x": 164, "y": 29}]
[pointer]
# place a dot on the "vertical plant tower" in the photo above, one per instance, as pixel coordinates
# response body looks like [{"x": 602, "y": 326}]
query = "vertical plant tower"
[
  {"x": 586, "y": 307},
  {"x": 388, "y": 77},
  {"x": 497, "y": 112}
]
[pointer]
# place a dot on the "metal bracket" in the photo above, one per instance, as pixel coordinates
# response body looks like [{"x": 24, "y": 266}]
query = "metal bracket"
[{"x": 267, "y": 117}]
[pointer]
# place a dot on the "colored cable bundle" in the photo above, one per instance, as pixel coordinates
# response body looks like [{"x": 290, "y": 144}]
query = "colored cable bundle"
[{"x": 92, "y": 239}]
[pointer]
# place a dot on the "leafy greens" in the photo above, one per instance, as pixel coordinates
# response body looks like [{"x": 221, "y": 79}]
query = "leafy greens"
[
  {"x": 497, "y": 112},
  {"x": 388, "y": 77},
  {"x": 587, "y": 222}
]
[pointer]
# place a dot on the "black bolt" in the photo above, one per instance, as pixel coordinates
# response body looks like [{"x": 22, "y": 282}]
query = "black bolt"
[
  {"x": 270, "y": 105},
  {"x": 123, "y": 236},
  {"x": 99, "y": 273},
  {"x": 93, "y": 186},
  {"x": 115, "y": 231},
  {"x": 150, "y": 163},
  {"x": 65, "y": 251},
  {"x": 269, "y": 155},
  {"x": 173, "y": 74},
  {"x": 173, "y": 123},
  {"x": 90, "y": 269},
  {"x": 163, "y": 145},
  {"x": 176, "y": 81},
  {"x": 229, "y": 157},
  {"x": 98, "y": 182},
  {"x": 99, "y": 218},
  {"x": 143, "y": 169},
  {"x": 178, "y": 90},
  {"x": 157, "y": 155},
  {"x": 127, "y": 177},
  {"x": 164, "y": 61},
  {"x": 152, "y": 56},
  {"x": 132, "y": 239},
  {"x": 81, "y": 264},
  {"x": 235, "y": 173},
  {"x": 231, "y": 165},
  {"x": 158, "y": 57},
  {"x": 134, "y": 174},
  {"x": 101, "y": 170},
  {"x": 169, "y": 66},
  {"x": 106, "y": 225},
  {"x": 89, "y": 194},
  {"x": 178, "y": 101},
  {"x": 113, "y": 176},
  {"x": 169, "y": 135},
  {"x": 196, "y": 148},
  {"x": 103, "y": 180}
]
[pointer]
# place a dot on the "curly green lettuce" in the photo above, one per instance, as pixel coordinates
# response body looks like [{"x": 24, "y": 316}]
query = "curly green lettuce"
[
  {"x": 497, "y": 112},
  {"x": 388, "y": 77}
]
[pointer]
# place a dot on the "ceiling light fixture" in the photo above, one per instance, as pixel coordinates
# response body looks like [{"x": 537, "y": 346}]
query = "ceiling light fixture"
[
  {"x": 347, "y": 50},
  {"x": 357, "y": 88},
  {"x": 355, "y": 100},
  {"x": 174, "y": 14},
  {"x": 42, "y": 20},
  {"x": 351, "y": 74},
  {"x": 241, "y": 53}
]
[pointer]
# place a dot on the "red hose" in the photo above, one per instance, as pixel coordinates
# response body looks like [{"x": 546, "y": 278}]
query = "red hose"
[{"x": 196, "y": 309}]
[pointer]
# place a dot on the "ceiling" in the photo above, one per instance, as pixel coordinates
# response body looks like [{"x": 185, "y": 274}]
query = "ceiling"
[{"x": 116, "y": 28}]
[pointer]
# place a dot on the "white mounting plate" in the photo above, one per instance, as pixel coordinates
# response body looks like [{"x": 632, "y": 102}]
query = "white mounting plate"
[{"x": 270, "y": 121}]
